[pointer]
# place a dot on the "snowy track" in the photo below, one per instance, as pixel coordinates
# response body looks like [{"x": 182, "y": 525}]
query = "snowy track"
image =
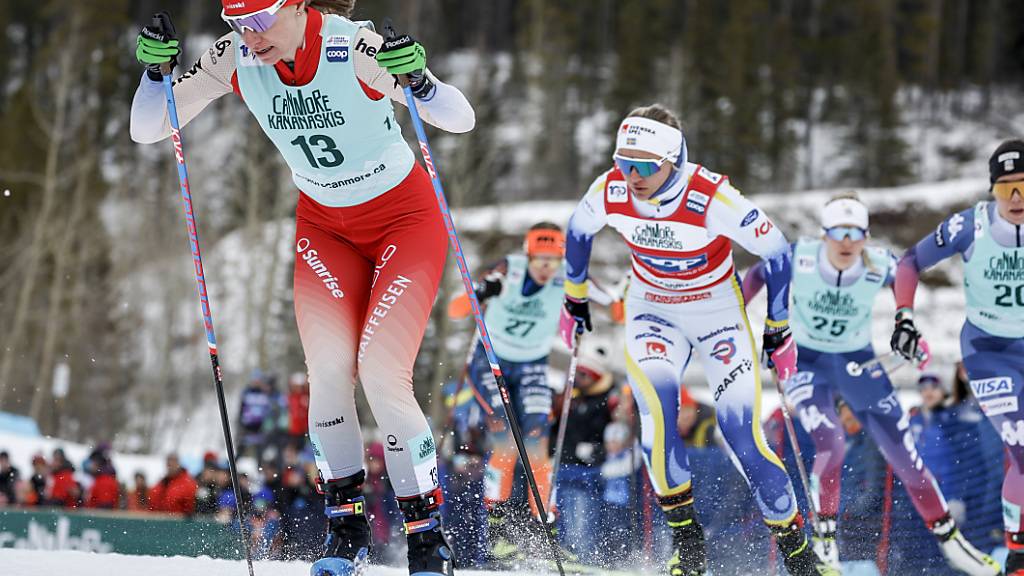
[{"x": 48, "y": 563}]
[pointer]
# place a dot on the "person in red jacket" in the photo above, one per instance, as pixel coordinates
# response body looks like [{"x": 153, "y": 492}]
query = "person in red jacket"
[
  {"x": 298, "y": 410},
  {"x": 105, "y": 491},
  {"x": 176, "y": 492},
  {"x": 65, "y": 490}
]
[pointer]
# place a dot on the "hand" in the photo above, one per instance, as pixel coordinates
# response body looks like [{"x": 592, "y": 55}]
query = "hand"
[
  {"x": 158, "y": 47},
  {"x": 405, "y": 56},
  {"x": 490, "y": 287},
  {"x": 905, "y": 337},
  {"x": 924, "y": 354},
  {"x": 781, "y": 351},
  {"x": 575, "y": 316}
]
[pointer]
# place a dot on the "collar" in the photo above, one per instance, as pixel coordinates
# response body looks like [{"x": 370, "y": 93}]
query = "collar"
[
  {"x": 831, "y": 274},
  {"x": 307, "y": 57}
]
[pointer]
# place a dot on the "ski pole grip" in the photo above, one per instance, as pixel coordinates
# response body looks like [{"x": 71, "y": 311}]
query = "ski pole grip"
[{"x": 162, "y": 22}]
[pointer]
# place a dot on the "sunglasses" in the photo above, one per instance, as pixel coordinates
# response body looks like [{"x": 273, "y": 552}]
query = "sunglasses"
[
  {"x": 257, "y": 21},
  {"x": 838, "y": 233},
  {"x": 1006, "y": 190},
  {"x": 644, "y": 168}
]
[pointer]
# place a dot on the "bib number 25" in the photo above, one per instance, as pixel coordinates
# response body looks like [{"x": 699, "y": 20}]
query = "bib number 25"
[{"x": 326, "y": 153}]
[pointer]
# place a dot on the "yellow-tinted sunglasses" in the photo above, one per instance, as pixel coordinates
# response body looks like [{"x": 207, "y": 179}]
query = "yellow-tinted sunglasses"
[{"x": 1005, "y": 190}]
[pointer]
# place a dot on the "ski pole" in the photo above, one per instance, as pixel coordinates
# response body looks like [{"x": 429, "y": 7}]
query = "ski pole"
[
  {"x": 563, "y": 424},
  {"x": 161, "y": 21},
  {"x": 812, "y": 509},
  {"x": 878, "y": 364},
  {"x": 467, "y": 282}
]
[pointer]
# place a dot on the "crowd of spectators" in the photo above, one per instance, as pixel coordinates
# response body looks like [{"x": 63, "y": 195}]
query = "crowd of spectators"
[{"x": 606, "y": 511}]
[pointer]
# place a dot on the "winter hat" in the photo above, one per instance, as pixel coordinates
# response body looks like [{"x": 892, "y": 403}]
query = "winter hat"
[{"x": 1007, "y": 159}]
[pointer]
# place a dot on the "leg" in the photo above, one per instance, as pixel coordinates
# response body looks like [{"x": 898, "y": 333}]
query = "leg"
[
  {"x": 812, "y": 394},
  {"x": 328, "y": 321},
  {"x": 997, "y": 381},
  {"x": 407, "y": 272},
  {"x": 329, "y": 327},
  {"x": 876, "y": 406},
  {"x": 656, "y": 356},
  {"x": 722, "y": 337}
]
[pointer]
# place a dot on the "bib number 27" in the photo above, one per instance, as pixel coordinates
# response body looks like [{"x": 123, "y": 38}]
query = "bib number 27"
[{"x": 325, "y": 154}]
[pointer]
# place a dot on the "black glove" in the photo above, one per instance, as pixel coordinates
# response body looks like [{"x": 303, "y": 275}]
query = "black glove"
[
  {"x": 905, "y": 336},
  {"x": 580, "y": 311},
  {"x": 158, "y": 46},
  {"x": 773, "y": 340},
  {"x": 490, "y": 287}
]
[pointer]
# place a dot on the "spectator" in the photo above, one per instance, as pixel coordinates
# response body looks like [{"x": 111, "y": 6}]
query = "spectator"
[
  {"x": 138, "y": 497},
  {"x": 176, "y": 492},
  {"x": 8, "y": 480},
  {"x": 208, "y": 485},
  {"x": 227, "y": 508},
  {"x": 593, "y": 407},
  {"x": 696, "y": 422},
  {"x": 36, "y": 496},
  {"x": 105, "y": 491},
  {"x": 618, "y": 471},
  {"x": 298, "y": 410},
  {"x": 255, "y": 410},
  {"x": 301, "y": 510},
  {"x": 65, "y": 490}
]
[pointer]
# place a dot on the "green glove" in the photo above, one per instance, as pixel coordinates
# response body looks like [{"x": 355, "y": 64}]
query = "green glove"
[
  {"x": 402, "y": 55},
  {"x": 157, "y": 46}
]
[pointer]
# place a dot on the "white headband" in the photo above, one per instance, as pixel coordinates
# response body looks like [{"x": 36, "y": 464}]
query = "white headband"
[
  {"x": 636, "y": 133},
  {"x": 844, "y": 212}
]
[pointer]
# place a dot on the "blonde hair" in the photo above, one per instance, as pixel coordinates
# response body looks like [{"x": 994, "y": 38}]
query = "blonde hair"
[
  {"x": 339, "y": 7},
  {"x": 658, "y": 113},
  {"x": 852, "y": 195}
]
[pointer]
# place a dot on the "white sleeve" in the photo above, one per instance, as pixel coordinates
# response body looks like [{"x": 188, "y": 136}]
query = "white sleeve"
[
  {"x": 208, "y": 79},
  {"x": 446, "y": 107},
  {"x": 732, "y": 215},
  {"x": 586, "y": 221}
]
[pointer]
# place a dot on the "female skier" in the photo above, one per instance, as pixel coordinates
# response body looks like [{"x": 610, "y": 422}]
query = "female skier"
[
  {"x": 990, "y": 238},
  {"x": 835, "y": 281},
  {"x": 369, "y": 240},
  {"x": 678, "y": 219}
]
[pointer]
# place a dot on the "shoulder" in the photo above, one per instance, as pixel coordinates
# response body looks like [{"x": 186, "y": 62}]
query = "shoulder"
[
  {"x": 609, "y": 186},
  {"x": 957, "y": 227},
  {"x": 219, "y": 60}
]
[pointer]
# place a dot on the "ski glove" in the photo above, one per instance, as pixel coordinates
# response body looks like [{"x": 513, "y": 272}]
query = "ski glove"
[
  {"x": 575, "y": 316},
  {"x": 157, "y": 46},
  {"x": 490, "y": 287},
  {"x": 905, "y": 337},
  {"x": 404, "y": 55},
  {"x": 779, "y": 347}
]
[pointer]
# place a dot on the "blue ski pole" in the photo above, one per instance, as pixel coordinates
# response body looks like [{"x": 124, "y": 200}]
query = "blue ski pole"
[
  {"x": 467, "y": 282},
  {"x": 163, "y": 21}
]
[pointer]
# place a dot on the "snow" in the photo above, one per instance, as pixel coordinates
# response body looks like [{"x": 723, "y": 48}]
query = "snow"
[{"x": 37, "y": 563}]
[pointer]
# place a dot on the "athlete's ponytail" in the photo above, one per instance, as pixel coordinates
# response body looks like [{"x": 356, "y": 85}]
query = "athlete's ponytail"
[{"x": 339, "y": 7}]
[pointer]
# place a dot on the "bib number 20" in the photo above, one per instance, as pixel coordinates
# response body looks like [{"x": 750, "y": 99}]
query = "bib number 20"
[
  {"x": 329, "y": 155},
  {"x": 1010, "y": 295}
]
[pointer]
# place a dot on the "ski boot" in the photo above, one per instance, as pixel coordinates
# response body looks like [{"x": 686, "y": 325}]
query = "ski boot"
[
  {"x": 348, "y": 531},
  {"x": 429, "y": 552},
  {"x": 797, "y": 553},
  {"x": 1015, "y": 559},
  {"x": 960, "y": 553},
  {"x": 825, "y": 545},
  {"x": 690, "y": 553},
  {"x": 503, "y": 549}
]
